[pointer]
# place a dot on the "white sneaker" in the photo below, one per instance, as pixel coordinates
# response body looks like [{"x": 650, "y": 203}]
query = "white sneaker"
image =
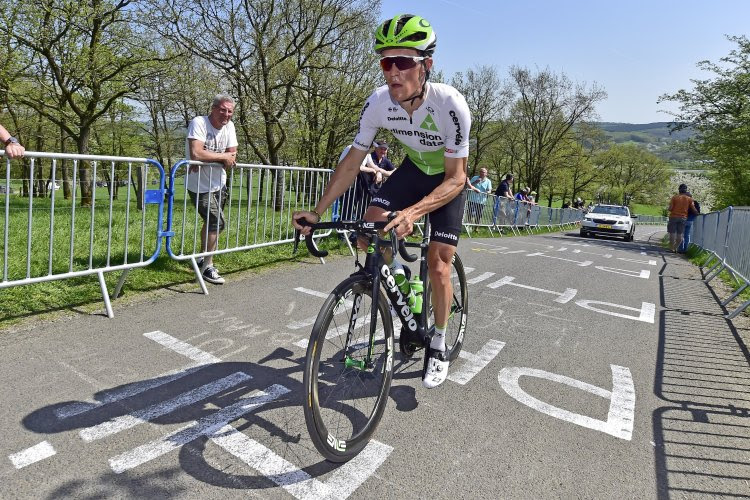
[{"x": 437, "y": 369}]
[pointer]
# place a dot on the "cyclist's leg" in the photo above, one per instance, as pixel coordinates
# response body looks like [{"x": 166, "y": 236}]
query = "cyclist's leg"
[{"x": 446, "y": 227}]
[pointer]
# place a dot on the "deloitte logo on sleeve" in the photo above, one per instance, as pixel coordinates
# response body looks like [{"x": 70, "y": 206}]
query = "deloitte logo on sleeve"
[{"x": 429, "y": 124}]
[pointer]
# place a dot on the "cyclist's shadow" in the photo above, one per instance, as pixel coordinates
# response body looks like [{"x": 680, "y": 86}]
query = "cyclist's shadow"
[{"x": 289, "y": 443}]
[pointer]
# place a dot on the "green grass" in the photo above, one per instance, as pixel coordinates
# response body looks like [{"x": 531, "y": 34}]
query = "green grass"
[
  {"x": 639, "y": 209},
  {"x": 698, "y": 257}
]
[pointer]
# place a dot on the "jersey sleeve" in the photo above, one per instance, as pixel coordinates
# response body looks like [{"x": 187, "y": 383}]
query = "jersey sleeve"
[
  {"x": 368, "y": 125},
  {"x": 456, "y": 125}
]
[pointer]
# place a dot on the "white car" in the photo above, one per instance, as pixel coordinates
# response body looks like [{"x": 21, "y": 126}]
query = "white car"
[{"x": 609, "y": 220}]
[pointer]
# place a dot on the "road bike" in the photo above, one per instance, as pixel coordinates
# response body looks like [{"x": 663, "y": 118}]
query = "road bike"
[{"x": 349, "y": 361}]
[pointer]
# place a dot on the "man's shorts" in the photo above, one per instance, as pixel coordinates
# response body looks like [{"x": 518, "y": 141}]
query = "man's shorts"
[
  {"x": 408, "y": 185},
  {"x": 211, "y": 208},
  {"x": 676, "y": 225}
]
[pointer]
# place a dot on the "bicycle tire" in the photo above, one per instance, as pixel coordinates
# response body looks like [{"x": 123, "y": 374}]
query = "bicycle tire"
[
  {"x": 456, "y": 327},
  {"x": 343, "y": 404}
]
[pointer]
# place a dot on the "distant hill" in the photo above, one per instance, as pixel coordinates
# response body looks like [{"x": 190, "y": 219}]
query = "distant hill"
[{"x": 655, "y": 137}]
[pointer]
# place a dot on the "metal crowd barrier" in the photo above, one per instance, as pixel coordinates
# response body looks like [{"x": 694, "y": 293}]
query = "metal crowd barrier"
[
  {"x": 496, "y": 213},
  {"x": 123, "y": 227},
  {"x": 652, "y": 219},
  {"x": 120, "y": 230},
  {"x": 725, "y": 237},
  {"x": 258, "y": 204}
]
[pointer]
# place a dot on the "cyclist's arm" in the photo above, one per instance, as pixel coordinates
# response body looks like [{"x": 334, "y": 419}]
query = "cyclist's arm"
[
  {"x": 452, "y": 185},
  {"x": 343, "y": 177}
]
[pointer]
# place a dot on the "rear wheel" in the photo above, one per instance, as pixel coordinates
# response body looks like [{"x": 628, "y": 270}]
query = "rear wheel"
[
  {"x": 348, "y": 370},
  {"x": 459, "y": 312}
]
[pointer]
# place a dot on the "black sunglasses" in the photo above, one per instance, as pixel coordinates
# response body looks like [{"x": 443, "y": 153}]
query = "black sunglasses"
[{"x": 402, "y": 63}]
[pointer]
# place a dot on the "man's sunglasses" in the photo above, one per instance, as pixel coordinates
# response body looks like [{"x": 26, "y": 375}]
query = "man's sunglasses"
[{"x": 402, "y": 63}]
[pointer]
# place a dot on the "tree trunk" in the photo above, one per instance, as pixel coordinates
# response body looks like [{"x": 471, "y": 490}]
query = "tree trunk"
[{"x": 84, "y": 172}]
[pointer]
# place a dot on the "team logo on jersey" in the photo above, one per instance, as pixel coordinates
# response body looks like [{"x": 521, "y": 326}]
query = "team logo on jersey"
[
  {"x": 392, "y": 109},
  {"x": 429, "y": 124},
  {"x": 430, "y": 110}
]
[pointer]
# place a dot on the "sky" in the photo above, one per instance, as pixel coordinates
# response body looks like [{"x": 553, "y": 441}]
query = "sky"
[{"x": 636, "y": 50}]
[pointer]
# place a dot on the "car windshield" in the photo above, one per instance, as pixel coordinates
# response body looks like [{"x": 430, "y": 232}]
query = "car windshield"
[{"x": 609, "y": 210}]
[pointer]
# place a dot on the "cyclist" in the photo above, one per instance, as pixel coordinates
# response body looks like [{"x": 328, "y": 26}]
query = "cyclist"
[{"x": 432, "y": 121}]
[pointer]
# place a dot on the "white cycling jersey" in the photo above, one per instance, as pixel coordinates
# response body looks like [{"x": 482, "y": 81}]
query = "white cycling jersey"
[{"x": 438, "y": 128}]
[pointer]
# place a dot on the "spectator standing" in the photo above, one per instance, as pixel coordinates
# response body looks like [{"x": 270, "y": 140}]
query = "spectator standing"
[
  {"x": 501, "y": 206},
  {"x": 479, "y": 186},
  {"x": 689, "y": 226},
  {"x": 578, "y": 203},
  {"x": 211, "y": 139},
  {"x": 13, "y": 148},
  {"x": 680, "y": 206}
]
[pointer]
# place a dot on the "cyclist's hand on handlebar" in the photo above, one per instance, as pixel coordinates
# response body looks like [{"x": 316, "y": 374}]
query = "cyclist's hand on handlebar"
[
  {"x": 403, "y": 223},
  {"x": 310, "y": 217}
]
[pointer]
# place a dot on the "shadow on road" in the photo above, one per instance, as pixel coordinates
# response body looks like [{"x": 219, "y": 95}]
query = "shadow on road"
[{"x": 702, "y": 432}]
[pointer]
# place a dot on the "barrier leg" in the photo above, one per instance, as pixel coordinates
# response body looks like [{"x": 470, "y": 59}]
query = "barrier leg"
[
  {"x": 735, "y": 294},
  {"x": 198, "y": 276},
  {"x": 719, "y": 268},
  {"x": 105, "y": 295},
  {"x": 120, "y": 283},
  {"x": 738, "y": 310}
]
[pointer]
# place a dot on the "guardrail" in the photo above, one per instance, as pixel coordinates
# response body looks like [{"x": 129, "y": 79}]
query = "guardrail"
[
  {"x": 110, "y": 234},
  {"x": 725, "y": 237},
  {"x": 123, "y": 225}
]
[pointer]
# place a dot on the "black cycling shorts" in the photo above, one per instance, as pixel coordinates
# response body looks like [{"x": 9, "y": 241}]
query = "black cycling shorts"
[{"x": 408, "y": 185}]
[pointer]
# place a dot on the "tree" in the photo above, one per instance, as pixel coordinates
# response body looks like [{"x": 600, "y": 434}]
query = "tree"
[
  {"x": 629, "y": 172},
  {"x": 86, "y": 56},
  {"x": 262, "y": 48},
  {"x": 486, "y": 99},
  {"x": 718, "y": 109},
  {"x": 546, "y": 108}
]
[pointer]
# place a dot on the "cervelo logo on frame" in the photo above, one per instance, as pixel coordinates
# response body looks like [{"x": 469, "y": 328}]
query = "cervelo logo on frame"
[{"x": 401, "y": 304}]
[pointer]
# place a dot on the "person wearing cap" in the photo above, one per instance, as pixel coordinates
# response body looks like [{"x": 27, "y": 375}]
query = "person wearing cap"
[
  {"x": 382, "y": 169},
  {"x": 680, "y": 206}
]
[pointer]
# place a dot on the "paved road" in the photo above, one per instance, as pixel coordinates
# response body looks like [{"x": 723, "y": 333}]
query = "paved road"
[{"x": 593, "y": 368}]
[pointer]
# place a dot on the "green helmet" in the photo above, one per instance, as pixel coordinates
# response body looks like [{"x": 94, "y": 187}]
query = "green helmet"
[{"x": 405, "y": 31}]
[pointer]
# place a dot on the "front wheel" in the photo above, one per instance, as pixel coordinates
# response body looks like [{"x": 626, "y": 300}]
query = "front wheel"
[
  {"x": 459, "y": 310},
  {"x": 348, "y": 370}
]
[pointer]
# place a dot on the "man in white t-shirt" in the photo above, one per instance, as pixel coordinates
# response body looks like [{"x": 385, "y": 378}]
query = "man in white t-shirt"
[{"x": 211, "y": 139}]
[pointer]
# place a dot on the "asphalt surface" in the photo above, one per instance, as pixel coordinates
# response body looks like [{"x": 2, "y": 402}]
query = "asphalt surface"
[{"x": 594, "y": 368}]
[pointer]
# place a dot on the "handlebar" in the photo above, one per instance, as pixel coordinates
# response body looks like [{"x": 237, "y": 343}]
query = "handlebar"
[{"x": 359, "y": 226}]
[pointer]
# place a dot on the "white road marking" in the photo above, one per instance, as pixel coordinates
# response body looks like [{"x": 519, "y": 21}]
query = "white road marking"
[
  {"x": 206, "y": 426},
  {"x": 643, "y": 273},
  {"x": 604, "y": 255},
  {"x": 297, "y": 325},
  {"x": 645, "y": 314},
  {"x": 314, "y": 293},
  {"x": 125, "y": 392},
  {"x": 619, "y": 421},
  {"x": 647, "y": 262},
  {"x": 157, "y": 410},
  {"x": 481, "y": 277},
  {"x": 475, "y": 362},
  {"x": 562, "y": 298},
  {"x": 134, "y": 389},
  {"x": 180, "y": 347},
  {"x": 580, "y": 263},
  {"x": 342, "y": 483},
  {"x": 32, "y": 455}
]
